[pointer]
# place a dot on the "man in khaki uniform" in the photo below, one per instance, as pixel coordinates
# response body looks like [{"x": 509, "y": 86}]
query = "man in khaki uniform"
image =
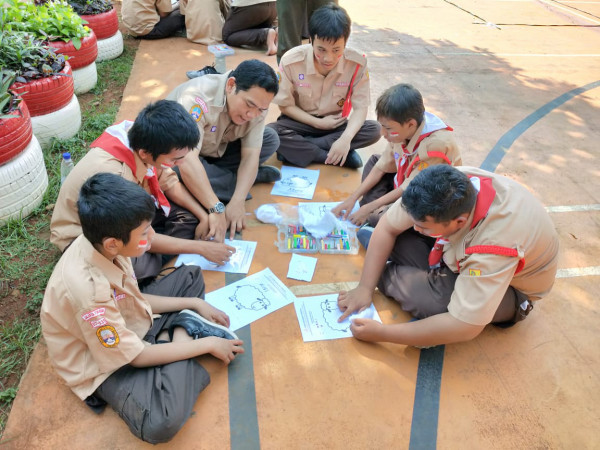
[
  {"x": 152, "y": 19},
  {"x": 99, "y": 327},
  {"x": 320, "y": 83},
  {"x": 416, "y": 139},
  {"x": 466, "y": 248},
  {"x": 230, "y": 110},
  {"x": 143, "y": 152}
]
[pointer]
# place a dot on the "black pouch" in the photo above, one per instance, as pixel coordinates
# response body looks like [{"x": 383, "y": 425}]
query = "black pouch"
[{"x": 523, "y": 307}]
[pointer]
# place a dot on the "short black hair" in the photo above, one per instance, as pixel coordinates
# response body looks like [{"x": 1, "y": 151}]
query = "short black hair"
[
  {"x": 163, "y": 126},
  {"x": 441, "y": 192},
  {"x": 330, "y": 22},
  {"x": 253, "y": 72},
  {"x": 110, "y": 206},
  {"x": 401, "y": 103}
]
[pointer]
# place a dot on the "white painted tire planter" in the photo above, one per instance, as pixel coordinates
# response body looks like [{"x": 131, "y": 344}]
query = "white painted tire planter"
[
  {"x": 110, "y": 48},
  {"x": 85, "y": 79},
  {"x": 23, "y": 182},
  {"x": 62, "y": 124}
]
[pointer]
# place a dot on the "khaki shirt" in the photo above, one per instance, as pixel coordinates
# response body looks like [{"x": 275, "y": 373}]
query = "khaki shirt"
[
  {"x": 65, "y": 225},
  {"x": 517, "y": 220},
  {"x": 241, "y": 3},
  {"x": 204, "y": 98},
  {"x": 140, "y": 16},
  {"x": 440, "y": 141},
  {"x": 93, "y": 317},
  {"x": 302, "y": 86}
]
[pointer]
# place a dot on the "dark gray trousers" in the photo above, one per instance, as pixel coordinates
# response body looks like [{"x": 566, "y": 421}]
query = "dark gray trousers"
[
  {"x": 249, "y": 25},
  {"x": 385, "y": 185},
  {"x": 425, "y": 292},
  {"x": 167, "y": 26},
  {"x": 301, "y": 144},
  {"x": 155, "y": 402},
  {"x": 222, "y": 172}
]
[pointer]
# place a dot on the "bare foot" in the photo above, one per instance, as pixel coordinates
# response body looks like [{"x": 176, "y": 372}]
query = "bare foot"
[{"x": 272, "y": 42}]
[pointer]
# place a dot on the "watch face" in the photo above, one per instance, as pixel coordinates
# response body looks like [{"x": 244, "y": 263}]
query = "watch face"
[{"x": 218, "y": 208}]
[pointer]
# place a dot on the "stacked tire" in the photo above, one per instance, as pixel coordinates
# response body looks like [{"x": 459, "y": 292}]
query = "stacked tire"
[
  {"x": 23, "y": 177},
  {"x": 82, "y": 61},
  {"x": 53, "y": 106},
  {"x": 106, "y": 28}
]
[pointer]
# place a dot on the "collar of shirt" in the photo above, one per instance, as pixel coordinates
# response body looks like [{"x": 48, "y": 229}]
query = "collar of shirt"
[{"x": 112, "y": 270}]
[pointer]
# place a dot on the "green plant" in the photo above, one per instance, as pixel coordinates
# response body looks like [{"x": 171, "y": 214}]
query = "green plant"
[
  {"x": 55, "y": 20},
  {"x": 91, "y": 7},
  {"x": 9, "y": 102},
  {"x": 28, "y": 57}
]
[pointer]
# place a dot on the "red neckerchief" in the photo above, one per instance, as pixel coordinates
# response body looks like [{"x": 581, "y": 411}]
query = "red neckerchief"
[{"x": 115, "y": 142}]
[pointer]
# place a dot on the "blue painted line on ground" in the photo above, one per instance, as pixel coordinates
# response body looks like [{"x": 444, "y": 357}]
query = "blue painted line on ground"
[
  {"x": 423, "y": 432},
  {"x": 243, "y": 417},
  {"x": 494, "y": 157}
]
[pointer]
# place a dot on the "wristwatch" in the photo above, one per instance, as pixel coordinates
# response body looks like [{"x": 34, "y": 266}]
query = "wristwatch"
[{"x": 219, "y": 208}]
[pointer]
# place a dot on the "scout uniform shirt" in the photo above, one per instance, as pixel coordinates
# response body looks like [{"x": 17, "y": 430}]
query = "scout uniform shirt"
[
  {"x": 204, "y": 98},
  {"x": 439, "y": 141},
  {"x": 302, "y": 86},
  {"x": 515, "y": 220},
  {"x": 65, "y": 226},
  {"x": 140, "y": 16},
  {"x": 93, "y": 317}
]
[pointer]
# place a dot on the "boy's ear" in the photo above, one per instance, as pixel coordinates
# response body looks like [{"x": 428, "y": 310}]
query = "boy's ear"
[
  {"x": 112, "y": 245},
  {"x": 145, "y": 156},
  {"x": 230, "y": 85}
]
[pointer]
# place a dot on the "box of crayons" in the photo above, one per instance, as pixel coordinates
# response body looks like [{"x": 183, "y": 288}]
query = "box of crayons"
[{"x": 293, "y": 238}]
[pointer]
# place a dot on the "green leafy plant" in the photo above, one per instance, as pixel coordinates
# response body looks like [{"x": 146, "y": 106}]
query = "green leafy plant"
[
  {"x": 28, "y": 57},
  {"x": 91, "y": 7},
  {"x": 9, "y": 102},
  {"x": 54, "y": 20}
]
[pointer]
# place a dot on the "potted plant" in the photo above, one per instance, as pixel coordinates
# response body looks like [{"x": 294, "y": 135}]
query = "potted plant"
[
  {"x": 44, "y": 81},
  {"x": 23, "y": 177},
  {"x": 101, "y": 17},
  {"x": 56, "y": 22}
]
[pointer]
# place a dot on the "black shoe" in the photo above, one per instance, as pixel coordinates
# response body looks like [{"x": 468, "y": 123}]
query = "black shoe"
[
  {"x": 199, "y": 327},
  {"x": 206, "y": 70},
  {"x": 280, "y": 157},
  {"x": 353, "y": 160},
  {"x": 268, "y": 174}
]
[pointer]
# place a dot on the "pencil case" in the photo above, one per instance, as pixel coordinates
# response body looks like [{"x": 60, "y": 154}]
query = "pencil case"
[{"x": 293, "y": 238}]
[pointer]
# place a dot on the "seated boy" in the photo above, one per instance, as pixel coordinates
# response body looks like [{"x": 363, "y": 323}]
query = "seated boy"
[
  {"x": 317, "y": 80},
  {"x": 144, "y": 152},
  {"x": 152, "y": 19},
  {"x": 99, "y": 327},
  {"x": 416, "y": 139}
]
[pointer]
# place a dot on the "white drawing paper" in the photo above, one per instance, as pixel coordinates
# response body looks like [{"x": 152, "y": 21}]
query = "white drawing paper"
[
  {"x": 319, "y": 209},
  {"x": 251, "y": 298},
  {"x": 239, "y": 262},
  {"x": 318, "y": 318},
  {"x": 296, "y": 182},
  {"x": 302, "y": 267}
]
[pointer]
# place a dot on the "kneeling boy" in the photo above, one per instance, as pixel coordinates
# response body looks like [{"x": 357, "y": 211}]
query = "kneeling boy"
[{"x": 99, "y": 327}]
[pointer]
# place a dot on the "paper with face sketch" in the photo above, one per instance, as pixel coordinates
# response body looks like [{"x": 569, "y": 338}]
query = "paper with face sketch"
[
  {"x": 251, "y": 298},
  {"x": 302, "y": 267},
  {"x": 318, "y": 318},
  {"x": 239, "y": 262},
  {"x": 296, "y": 182}
]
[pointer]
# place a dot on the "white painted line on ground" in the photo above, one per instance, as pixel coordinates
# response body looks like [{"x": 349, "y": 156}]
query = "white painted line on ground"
[
  {"x": 570, "y": 11},
  {"x": 505, "y": 55},
  {"x": 578, "y": 272},
  {"x": 573, "y": 208}
]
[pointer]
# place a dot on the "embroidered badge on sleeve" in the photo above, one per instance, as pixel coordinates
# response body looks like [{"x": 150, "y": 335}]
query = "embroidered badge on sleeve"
[
  {"x": 196, "y": 112},
  {"x": 108, "y": 336}
]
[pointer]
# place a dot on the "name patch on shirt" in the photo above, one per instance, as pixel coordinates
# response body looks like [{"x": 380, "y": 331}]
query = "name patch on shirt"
[
  {"x": 474, "y": 272},
  {"x": 202, "y": 104},
  {"x": 306, "y": 85},
  {"x": 342, "y": 83},
  {"x": 95, "y": 313},
  {"x": 108, "y": 336},
  {"x": 98, "y": 323},
  {"x": 196, "y": 112}
]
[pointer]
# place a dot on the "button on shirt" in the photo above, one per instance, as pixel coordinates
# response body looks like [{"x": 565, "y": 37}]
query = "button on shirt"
[
  {"x": 93, "y": 317},
  {"x": 204, "y": 98},
  {"x": 517, "y": 220},
  {"x": 303, "y": 86},
  {"x": 65, "y": 226}
]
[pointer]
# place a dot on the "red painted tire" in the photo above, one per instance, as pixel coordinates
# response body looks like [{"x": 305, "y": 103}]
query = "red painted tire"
[
  {"x": 15, "y": 134},
  {"x": 86, "y": 54},
  {"x": 104, "y": 24},
  {"x": 47, "y": 95}
]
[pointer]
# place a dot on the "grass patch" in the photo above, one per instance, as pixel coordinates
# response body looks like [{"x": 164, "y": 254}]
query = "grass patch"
[{"x": 27, "y": 258}]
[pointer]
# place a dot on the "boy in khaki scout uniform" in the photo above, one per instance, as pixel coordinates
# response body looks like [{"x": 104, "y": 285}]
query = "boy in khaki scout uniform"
[
  {"x": 229, "y": 110},
  {"x": 152, "y": 19},
  {"x": 320, "y": 83},
  {"x": 416, "y": 139},
  {"x": 100, "y": 329},
  {"x": 144, "y": 152},
  {"x": 466, "y": 248}
]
